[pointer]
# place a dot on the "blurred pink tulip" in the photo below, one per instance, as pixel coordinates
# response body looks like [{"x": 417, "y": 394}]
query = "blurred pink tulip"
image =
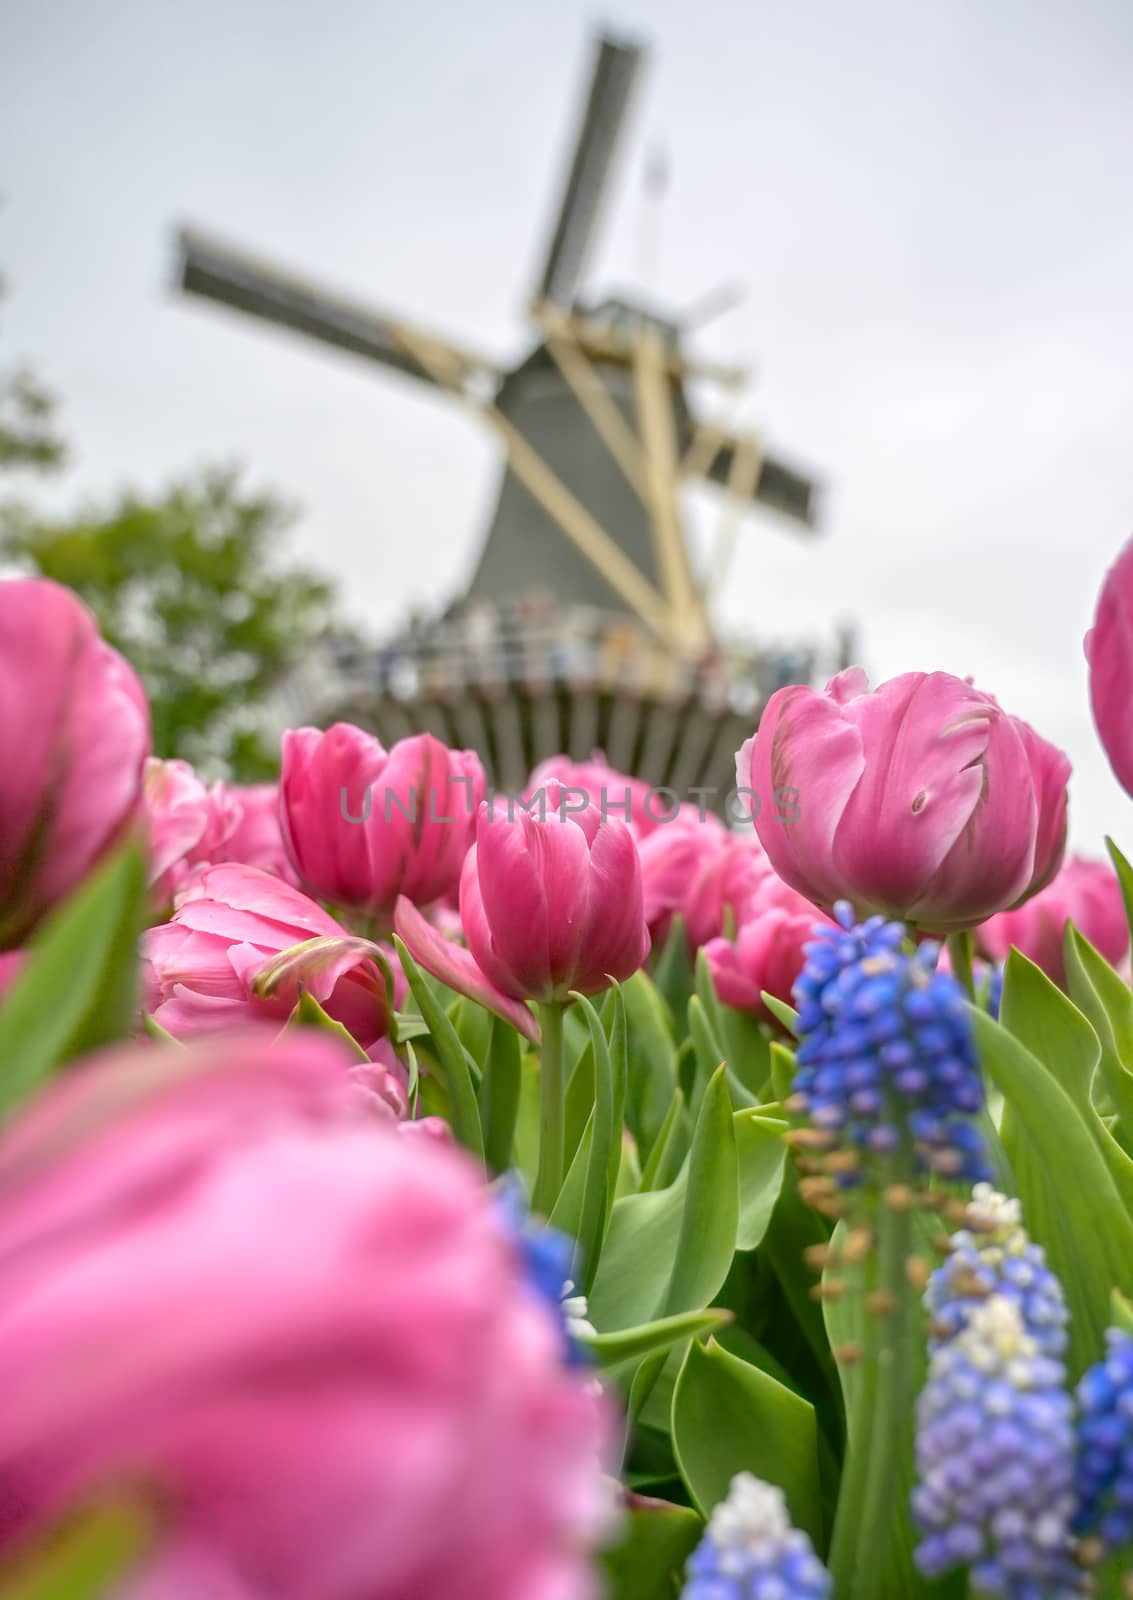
[
  {"x": 363, "y": 825},
  {"x": 206, "y": 968},
  {"x": 768, "y": 951},
  {"x": 921, "y": 799},
  {"x": 1085, "y": 893},
  {"x": 609, "y": 793},
  {"x": 74, "y": 733},
  {"x": 188, "y": 825},
  {"x": 547, "y": 906},
  {"x": 312, "y": 1347},
  {"x": 257, "y": 838},
  {"x": 671, "y": 859},
  {"x": 1109, "y": 651}
]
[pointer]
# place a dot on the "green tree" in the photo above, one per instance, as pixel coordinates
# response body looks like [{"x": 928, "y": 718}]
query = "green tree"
[
  {"x": 190, "y": 587},
  {"x": 27, "y": 420}
]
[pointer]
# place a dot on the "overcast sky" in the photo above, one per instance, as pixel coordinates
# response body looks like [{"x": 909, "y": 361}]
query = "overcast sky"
[{"x": 929, "y": 205}]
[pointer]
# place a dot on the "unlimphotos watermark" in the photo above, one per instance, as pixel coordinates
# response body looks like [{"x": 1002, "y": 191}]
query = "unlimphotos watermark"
[{"x": 658, "y": 806}]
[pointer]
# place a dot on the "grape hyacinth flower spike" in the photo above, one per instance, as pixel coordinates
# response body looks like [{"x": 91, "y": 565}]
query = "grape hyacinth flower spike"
[
  {"x": 994, "y": 1254},
  {"x": 995, "y": 1461},
  {"x": 1105, "y": 1448},
  {"x": 886, "y": 1062},
  {"x": 750, "y": 1551}
]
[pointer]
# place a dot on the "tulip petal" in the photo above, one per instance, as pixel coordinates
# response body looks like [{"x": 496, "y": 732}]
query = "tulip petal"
[{"x": 458, "y": 968}]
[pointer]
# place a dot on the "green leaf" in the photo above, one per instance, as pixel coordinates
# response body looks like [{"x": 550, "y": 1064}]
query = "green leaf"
[
  {"x": 1106, "y": 1000},
  {"x": 308, "y": 1013},
  {"x": 760, "y": 1155},
  {"x": 649, "y": 1562},
  {"x": 1064, "y": 1185},
  {"x": 451, "y": 1056},
  {"x": 406, "y": 1025},
  {"x": 630, "y": 1344},
  {"x": 85, "y": 1560},
  {"x": 1125, "y": 878},
  {"x": 671, "y": 1147},
  {"x": 499, "y": 1094},
  {"x": 672, "y": 973},
  {"x": 782, "y": 1012},
  {"x": 651, "y": 1059},
  {"x": 78, "y": 988},
  {"x": 1121, "y": 1312},
  {"x": 566, "y": 1212},
  {"x": 710, "y": 1217},
  {"x": 730, "y": 1417}
]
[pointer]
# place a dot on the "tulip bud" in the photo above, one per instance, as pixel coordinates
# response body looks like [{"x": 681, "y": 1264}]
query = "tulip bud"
[
  {"x": 1109, "y": 651},
  {"x": 1085, "y": 893},
  {"x": 73, "y": 737},
  {"x": 363, "y": 825},
  {"x": 921, "y": 799}
]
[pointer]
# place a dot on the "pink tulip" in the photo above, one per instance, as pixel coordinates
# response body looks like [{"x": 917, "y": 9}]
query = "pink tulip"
[
  {"x": 547, "y": 906},
  {"x": 671, "y": 860},
  {"x": 363, "y": 825},
  {"x": 609, "y": 793},
  {"x": 206, "y": 968},
  {"x": 311, "y": 1347},
  {"x": 1109, "y": 651},
  {"x": 74, "y": 733},
  {"x": 921, "y": 799},
  {"x": 768, "y": 952},
  {"x": 188, "y": 825},
  {"x": 257, "y": 838},
  {"x": 1085, "y": 893}
]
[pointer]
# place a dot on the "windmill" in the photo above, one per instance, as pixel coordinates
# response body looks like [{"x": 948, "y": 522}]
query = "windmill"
[{"x": 600, "y": 441}]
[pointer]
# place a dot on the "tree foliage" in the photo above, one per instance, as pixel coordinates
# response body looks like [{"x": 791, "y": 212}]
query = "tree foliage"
[
  {"x": 27, "y": 421},
  {"x": 188, "y": 585}
]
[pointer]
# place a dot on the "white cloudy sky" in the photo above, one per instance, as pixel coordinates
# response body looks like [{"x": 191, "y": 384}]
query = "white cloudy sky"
[{"x": 929, "y": 205}]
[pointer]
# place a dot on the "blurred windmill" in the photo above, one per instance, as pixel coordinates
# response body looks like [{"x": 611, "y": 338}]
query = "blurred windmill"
[{"x": 587, "y": 541}]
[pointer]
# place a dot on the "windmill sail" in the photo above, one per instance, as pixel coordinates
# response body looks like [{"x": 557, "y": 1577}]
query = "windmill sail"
[
  {"x": 616, "y": 67},
  {"x": 218, "y": 272}
]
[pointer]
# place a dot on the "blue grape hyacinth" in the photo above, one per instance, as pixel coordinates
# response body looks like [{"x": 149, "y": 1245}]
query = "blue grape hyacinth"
[
  {"x": 996, "y": 1256},
  {"x": 886, "y": 1056},
  {"x": 1105, "y": 1446},
  {"x": 550, "y": 1259},
  {"x": 750, "y": 1551},
  {"x": 995, "y": 1461}
]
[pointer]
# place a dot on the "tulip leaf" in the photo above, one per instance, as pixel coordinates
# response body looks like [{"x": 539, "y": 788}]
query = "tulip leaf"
[
  {"x": 672, "y": 969},
  {"x": 640, "y": 1249},
  {"x": 499, "y": 1094},
  {"x": 1106, "y": 1000},
  {"x": 706, "y": 994},
  {"x": 728, "y": 1417},
  {"x": 657, "y": 1540},
  {"x": 473, "y": 1024},
  {"x": 670, "y": 1149},
  {"x": 629, "y": 1344},
  {"x": 651, "y": 1060},
  {"x": 760, "y": 1156},
  {"x": 452, "y": 1057},
  {"x": 308, "y": 1013},
  {"x": 566, "y": 1212},
  {"x": 160, "y": 1035},
  {"x": 710, "y": 1217},
  {"x": 78, "y": 988},
  {"x": 413, "y": 1087},
  {"x": 1125, "y": 878},
  {"x": 1121, "y": 1312},
  {"x": 1064, "y": 1185},
  {"x": 782, "y": 1012},
  {"x": 85, "y": 1558},
  {"x": 406, "y": 1025}
]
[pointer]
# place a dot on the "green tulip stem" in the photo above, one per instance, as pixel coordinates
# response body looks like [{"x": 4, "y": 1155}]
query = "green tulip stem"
[
  {"x": 880, "y": 1397},
  {"x": 960, "y": 952},
  {"x": 552, "y": 1100}
]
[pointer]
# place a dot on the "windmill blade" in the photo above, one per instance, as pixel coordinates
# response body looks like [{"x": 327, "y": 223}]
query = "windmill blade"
[
  {"x": 218, "y": 272},
  {"x": 615, "y": 70},
  {"x": 777, "y": 485}
]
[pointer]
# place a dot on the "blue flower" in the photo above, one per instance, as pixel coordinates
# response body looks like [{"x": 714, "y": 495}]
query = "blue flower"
[
  {"x": 1105, "y": 1445},
  {"x": 995, "y": 1461},
  {"x": 996, "y": 1256},
  {"x": 549, "y": 1257},
  {"x": 750, "y": 1551},
  {"x": 886, "y": 1055}
]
